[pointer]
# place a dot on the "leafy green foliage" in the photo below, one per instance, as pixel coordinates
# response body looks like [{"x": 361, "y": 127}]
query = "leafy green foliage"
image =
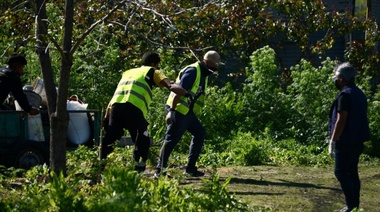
[
  {"x": 84, "y": 163},
  {"x": 311, "y": 94},
  {"x": 217, "y": 197},
  {"x": 119, "y": 189},
  {"x": 249, "y": 151},
  {"x": 222, "y": 106},
  {"x": 263, "y": 98},
  {"x": 373, "y": 147},
  {"x": 269, "y": 119}
]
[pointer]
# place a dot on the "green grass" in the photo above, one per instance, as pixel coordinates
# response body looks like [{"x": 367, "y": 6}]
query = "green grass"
[
  {"x": 288, "y": 188},
  {"x": 292, "y": 188},
  {"x": 262, "y": 187}
]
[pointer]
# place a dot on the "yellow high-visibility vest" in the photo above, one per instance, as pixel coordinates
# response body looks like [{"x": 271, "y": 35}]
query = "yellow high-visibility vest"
[
  {"x": 183, "y": 105},
  {"x": 133, "y": 88}
]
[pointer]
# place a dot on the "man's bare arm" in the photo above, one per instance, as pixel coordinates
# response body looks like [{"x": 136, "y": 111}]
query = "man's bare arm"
[{"x": 174, "y": 87}]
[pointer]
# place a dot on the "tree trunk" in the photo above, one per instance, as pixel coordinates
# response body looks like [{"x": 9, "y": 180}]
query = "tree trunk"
[
  {"x": 60, "y": 119},
  {"x": 56, "y": 104},
  {"x": 57, "y": 161}
]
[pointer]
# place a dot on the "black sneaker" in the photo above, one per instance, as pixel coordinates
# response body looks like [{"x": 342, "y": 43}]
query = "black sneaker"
[
  {"x": 140, "y": 167},
  {"x": 194, "y": 173}
]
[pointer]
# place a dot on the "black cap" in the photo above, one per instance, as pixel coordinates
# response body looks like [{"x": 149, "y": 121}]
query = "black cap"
[{"x": 16, "y": 59}]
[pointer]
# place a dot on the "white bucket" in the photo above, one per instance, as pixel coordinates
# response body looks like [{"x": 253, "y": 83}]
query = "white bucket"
[
  {"x": 33, "y": 98},
  {"x": 39, "y": 88}
]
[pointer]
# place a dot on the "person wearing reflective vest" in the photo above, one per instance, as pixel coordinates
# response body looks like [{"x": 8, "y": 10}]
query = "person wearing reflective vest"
[
  {"x": 129, "y": 108},
  {"x": 182, "y": 113},
  {"x": 349, "y": 129},
  {"x": 183, "y": 106}
]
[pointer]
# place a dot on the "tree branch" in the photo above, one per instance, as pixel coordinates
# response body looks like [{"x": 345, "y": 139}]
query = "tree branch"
[
  {"x": 165, "y": 18},
  {"x": 39, "y": 23},
  {"x": 93, "y": 26},
  {"x": 154, "y": 43}
]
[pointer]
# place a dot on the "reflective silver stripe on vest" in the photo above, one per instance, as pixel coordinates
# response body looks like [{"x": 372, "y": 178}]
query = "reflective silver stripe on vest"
[
  {"x": 191, "y": 93},
  {"x": 134, "y": 93},
  {"x": 184, "y": 103},
  {"x": 147, "y": 88}
]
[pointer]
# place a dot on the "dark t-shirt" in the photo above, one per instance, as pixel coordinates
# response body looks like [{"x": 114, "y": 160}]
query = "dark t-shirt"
[
  {"x": 189, "y": 75},
  {"x": 343, "y": 103},
  {"x": 11, "y": 82}
]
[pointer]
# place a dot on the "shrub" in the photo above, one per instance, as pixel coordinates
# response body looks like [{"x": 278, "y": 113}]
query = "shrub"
[
  {"x": 311, "y": 94},
  {"x": 262, "y": 98}
]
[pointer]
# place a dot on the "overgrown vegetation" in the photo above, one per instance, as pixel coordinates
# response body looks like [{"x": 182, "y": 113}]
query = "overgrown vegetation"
[
  {"x": 264, "y": 123},
  {"x": 258, "y": 114},
  {"x": 116, "y": 188}
]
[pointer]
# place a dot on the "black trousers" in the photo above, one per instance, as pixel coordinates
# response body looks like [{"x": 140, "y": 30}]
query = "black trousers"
[
  {"x": 127, "y": 116},
  {"x": 346, "y": 171}
]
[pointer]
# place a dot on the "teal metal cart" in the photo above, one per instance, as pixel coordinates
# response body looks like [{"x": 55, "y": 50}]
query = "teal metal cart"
[{"x": 17, "y": 150}]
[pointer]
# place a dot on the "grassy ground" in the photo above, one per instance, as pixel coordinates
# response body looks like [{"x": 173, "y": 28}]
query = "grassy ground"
[
  {"x": 273, "y": 188},
  {"x": 290, "y": 188}
]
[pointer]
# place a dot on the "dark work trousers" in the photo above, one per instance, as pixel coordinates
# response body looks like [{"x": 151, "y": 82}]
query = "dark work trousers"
[
  {"x": 127, "y": 116},
  {"x": 346, "y": 171},
  {"x": 174, "y": 132}
]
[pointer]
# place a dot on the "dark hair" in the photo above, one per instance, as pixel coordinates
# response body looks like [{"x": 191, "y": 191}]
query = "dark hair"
[
  {"x": 150, "y": 57},
  {"x": 16, "y": 59}
]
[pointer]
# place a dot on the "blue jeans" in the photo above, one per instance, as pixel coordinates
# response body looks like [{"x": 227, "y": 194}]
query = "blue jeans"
[
  {"x": 346, "y": 171},
  {"x": 174, "y": 132}
]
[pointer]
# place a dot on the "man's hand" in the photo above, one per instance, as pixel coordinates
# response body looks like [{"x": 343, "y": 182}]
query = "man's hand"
[
  {"x": 190, "y": 98},
  {"x": 332, "y": 149},
  {"x": 170, "y": 117},
  {"x": 34, "y": 111}
]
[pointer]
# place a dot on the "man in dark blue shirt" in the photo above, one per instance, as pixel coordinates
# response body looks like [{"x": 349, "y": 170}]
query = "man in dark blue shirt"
[
  {"x": 10, "y": 82},
  {"x": 182, "y": 112},
  {"x": 349, "y": 129}
]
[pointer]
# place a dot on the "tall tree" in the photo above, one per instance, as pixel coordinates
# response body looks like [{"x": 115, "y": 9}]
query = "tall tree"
[{"x": 57, "y": 103}]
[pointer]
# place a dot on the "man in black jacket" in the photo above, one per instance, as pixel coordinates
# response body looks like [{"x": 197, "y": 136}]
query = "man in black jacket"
[{"x": 10, "y": 82}]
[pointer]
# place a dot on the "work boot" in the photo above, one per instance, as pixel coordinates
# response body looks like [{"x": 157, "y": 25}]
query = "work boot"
[{"x": 193, "y": 172}]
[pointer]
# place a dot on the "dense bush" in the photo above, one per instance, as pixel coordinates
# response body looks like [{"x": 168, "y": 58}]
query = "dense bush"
[
  {"x": 116, "y": 188},
  {"x": 269, "y": 123},
  {"x": 249, "y": 150},
  {"x": 311, "y": 94}
]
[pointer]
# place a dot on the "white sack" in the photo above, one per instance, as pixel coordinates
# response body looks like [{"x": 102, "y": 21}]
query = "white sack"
[
  {"x": 78, "y": 127},
  {"x": 35, "y": 129}
]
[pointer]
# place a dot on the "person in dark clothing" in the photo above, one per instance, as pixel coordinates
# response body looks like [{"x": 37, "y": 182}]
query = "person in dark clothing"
[
  {"x": 10, "y": 82},
  {"x": 349, "y": 129},
  {"x": 182, "y": 114},
  {"x": 129, "y": 107}
]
